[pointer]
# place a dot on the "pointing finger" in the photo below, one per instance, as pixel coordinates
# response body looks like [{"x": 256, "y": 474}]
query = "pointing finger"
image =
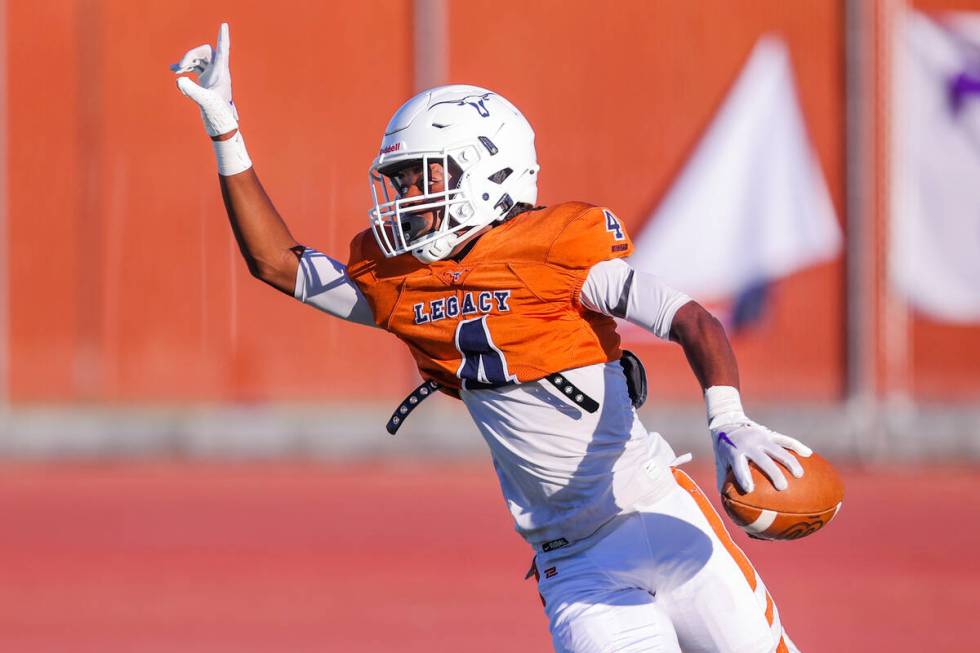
[{"x": 224, "y": 45}]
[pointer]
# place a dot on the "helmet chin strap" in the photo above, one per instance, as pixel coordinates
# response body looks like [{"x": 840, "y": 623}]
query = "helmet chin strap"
[
  {"x": 435, "y": 251},
  {"x": 444, "y": 246}
]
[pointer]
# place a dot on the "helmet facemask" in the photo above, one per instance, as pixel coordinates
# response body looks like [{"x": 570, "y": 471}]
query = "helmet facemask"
[{"x": 398, "y": 219}]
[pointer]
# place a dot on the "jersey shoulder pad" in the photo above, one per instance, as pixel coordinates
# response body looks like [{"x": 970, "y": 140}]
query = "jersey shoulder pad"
[
  {"x": 528, "y": 236},
  {"x": 364, "y": 254},
  {"x": 589, "y": 236}
]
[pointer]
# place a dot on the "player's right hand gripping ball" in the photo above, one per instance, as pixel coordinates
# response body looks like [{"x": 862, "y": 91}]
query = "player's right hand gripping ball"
[{"x": 806, "y": 506}]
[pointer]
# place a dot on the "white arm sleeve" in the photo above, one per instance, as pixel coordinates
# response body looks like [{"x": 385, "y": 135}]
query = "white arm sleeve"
[
  {"x": 616, "y": 289},
  {"x": 323, "y": 283}
]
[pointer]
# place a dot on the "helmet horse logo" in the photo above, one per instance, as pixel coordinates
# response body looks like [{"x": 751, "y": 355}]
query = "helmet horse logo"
[
  {"x": 478, "y": 105},
  {"x": 475, "y": 101}
]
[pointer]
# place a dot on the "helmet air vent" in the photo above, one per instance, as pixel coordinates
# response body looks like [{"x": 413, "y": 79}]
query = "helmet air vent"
[
  {"x": 487, "y": 143},
  {"x": 500, "y": 176}
]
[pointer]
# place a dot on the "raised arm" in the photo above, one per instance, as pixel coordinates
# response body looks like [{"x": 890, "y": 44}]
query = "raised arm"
[{"x": 269, "y": 249}]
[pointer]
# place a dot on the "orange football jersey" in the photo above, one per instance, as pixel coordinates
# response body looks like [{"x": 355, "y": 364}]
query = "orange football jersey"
[{"x": 509, "y": 311}]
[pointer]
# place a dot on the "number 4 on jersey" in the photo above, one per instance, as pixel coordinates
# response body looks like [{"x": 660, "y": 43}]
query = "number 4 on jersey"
[
  {"x": 612, "y": 225},
  {"x": 483, "y": 364}
]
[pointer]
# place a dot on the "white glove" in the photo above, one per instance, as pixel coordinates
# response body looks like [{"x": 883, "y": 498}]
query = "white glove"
[
  {"x": 212, "y": 92},
  {"x": 737, "y": 440},
  {"x": 213, "y": 97}
]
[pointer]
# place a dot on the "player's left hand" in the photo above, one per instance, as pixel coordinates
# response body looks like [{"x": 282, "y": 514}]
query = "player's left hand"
[
  {"x": 738, "y": 440},
  {"x": 212, "y": 92}
]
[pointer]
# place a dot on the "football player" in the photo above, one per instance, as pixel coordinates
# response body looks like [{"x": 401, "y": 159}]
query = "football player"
[{"x": 509, "y": 306}]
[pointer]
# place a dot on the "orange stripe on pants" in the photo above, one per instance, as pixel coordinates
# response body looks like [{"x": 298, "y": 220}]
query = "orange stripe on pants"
[
  {"x": 725, "y": 538},
  {"x": 717, "y": 526}
]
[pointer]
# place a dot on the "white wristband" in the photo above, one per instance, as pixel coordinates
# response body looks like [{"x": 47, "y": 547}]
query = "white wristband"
[
  {"x": 232, "y": 155},
  {"x": 723, "y": 401}
]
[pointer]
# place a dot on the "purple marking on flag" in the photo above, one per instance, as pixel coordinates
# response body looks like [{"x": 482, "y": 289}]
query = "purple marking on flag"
[
  {"x": 723, "y": 437},
  {"x": 961, "y": 87}
]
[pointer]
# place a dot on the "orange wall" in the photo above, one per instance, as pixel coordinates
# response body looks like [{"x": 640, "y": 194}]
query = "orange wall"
[
  {"x": 126, "y": 283},
  {"x": 127, "y": 286},
  {"x": 43, "y": 158}
]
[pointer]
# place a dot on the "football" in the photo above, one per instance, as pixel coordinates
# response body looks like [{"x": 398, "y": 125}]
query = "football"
[{"x": 806, "y": 506}]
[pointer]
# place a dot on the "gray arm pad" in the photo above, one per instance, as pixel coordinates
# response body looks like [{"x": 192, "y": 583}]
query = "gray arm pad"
[
  {"x": 323, "y": 283},
  {"x": 616, "y": 289}
]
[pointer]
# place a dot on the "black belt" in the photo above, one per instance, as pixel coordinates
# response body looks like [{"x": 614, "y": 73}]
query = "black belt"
[
  {"x": 409, "y": 403},
  {"x": 570, "y": 390},
  {"x": 424, "y": 391}
]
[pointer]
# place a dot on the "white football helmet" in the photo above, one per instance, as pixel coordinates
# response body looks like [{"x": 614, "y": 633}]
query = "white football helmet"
[{"x": 486, "y": 149}]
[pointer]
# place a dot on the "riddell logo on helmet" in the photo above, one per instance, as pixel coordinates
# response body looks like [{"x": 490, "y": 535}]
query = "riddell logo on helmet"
[{"x": 394, "y": 147}]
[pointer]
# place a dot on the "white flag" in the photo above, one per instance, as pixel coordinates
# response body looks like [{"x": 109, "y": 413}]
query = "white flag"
[
  {"x": 751, "y": 205},
  {"x": 934, "y": 258}
]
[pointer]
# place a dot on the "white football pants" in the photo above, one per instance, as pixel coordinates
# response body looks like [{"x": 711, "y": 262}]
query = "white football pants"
[{"x": 667, "y": 577}]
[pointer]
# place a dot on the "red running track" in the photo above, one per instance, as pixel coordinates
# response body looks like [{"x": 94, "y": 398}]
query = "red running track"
[{"x": 418, "y": 557}]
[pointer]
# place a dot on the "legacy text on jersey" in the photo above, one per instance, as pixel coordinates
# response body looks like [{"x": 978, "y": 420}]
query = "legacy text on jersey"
[{"x": 472, "y": 303}]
